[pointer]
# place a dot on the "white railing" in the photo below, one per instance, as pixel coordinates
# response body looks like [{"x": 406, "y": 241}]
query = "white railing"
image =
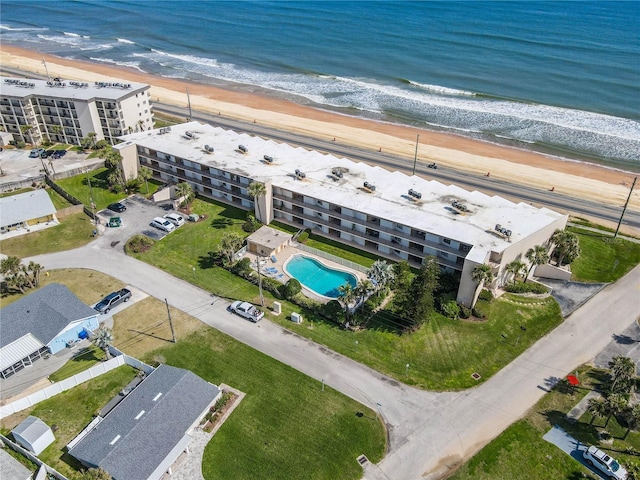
[{"x": 333, "y": 258}]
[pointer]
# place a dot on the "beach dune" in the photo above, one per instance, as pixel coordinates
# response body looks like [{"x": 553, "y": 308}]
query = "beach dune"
[{"x": 576, "y": 179}]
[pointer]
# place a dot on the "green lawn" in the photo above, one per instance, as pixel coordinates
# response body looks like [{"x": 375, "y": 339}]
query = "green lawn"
[
  {"x": 603, "y": 259},
  {"x": 521, "y": 448},
  {"x": 58, "y": 200},
  {"x": 74, "y": 231},
  {"x": 78, "y": 186},
  {"x": 70, "y": 412},
  {"x": 85, "y": 358},
  {"x": 286, "y": 426}
]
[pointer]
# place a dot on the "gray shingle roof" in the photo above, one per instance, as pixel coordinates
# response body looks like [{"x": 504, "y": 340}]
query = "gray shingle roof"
[
  {"x": 43, "y": 313},
  {"x": 25, "y": 206},
  {"x": 144, "y": 442}
]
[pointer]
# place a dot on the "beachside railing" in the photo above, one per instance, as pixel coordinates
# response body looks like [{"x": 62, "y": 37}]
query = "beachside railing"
[{"x": 340, "y": 261}]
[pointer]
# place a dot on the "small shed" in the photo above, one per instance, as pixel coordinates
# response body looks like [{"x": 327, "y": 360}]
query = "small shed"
[
  {"x": 267, "y": 241},
  {"x": 33, "y": 434}
]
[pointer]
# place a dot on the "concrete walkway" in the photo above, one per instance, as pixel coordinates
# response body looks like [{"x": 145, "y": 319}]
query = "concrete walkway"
[{"x": 429, "y": 433}]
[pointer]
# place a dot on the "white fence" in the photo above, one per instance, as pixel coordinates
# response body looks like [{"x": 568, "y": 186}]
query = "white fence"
[
  {"x": 341, "y": 261},
  {"x": 59, "y": 387}
]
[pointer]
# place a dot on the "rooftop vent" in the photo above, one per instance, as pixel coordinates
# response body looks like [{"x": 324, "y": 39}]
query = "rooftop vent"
[
  {"x": 188, "y": 134},
  {"x": 164, "y": 130},
  {"x": 460, "y": 206},
  {"x": 300, "y": 174},
  {"x": 337, "y": 173},
  {"x": 242, "y": 148},
  {"x": 370, "y": 186},
  {"x": 414, "y": 194},
  {"x": 208, "y": 148},
  {"x": 499, "y": 228},
  {"x": 268, "y": 159}
]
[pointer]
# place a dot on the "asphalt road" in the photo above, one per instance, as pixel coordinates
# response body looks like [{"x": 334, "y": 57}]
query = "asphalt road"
[{"x": 429, "y": 433}]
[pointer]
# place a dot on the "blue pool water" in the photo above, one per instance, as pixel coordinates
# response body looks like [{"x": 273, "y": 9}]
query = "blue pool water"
[{"x": 318, "y": 277}]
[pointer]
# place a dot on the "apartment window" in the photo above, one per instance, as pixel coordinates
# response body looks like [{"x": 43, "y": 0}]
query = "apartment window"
[{"x": 447, "y": 241}]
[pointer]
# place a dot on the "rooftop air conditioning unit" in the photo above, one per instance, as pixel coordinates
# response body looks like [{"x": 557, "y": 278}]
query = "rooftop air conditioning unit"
[
  {"x": 369, "y": 186},
  {"x": 188, "y": 134},
  {"x": 459, "y": 205},
  {"x": 300, "y": 174},
  {"x": 242, "y": 148},
  {"x": 337, "y": 173},
  {"x": 268, "y": 159},
  {"x": 208, "y": 148},
  {"x": 415, "y": 194}
]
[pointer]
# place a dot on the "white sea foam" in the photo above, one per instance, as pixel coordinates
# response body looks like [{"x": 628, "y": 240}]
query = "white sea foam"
[
  {"x": 119, "y": 63},
  {"x": 124, "y": 40},
  {"x": 71, "y": 34},
  {"x": 442, "y": 90},
  {"x": 22, "y": 29}
]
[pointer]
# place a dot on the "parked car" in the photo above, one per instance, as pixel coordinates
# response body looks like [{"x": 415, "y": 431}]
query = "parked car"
[
  {"x": 163, "y": 224},
  {"x": 36, "y": 152},
  {"x": 112, "y": 300},
  {"x": 117, "y": 207},
  {"x": 174, "y": 218},
  {"x": 603, "y": 462},
  {"x": 246, "y": 310}
]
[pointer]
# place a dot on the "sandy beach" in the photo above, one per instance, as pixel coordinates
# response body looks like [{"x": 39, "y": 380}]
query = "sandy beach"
[{"x": 576, "y": 179}]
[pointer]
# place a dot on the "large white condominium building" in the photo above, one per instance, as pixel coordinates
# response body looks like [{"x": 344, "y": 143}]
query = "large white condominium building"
[
  {"x": 391, "y": 214},
  {"x": 66, "y": 111}
]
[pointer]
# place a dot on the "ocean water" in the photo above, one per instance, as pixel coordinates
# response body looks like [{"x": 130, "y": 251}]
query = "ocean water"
[{"x": 562, "y": 78}]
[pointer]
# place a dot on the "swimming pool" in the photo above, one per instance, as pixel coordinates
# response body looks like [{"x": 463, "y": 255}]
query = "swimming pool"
[{"x": 317, "y": 277}]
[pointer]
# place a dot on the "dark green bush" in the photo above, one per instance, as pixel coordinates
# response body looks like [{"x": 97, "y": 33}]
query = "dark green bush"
[
  {"x": 303, "y": 237},
  {"x": 465, "y": 312},
  {"x": 451, "y": 309},
  {"x": 242, "y": 268},
  {"x": 333, "y": 311},
  {"x": 485, "y": 295},
  {"x": 291, "y": 288},
  {"x": 530, "y": 287}
]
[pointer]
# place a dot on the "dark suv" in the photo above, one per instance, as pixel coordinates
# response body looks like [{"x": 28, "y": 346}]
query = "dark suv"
[{"x": 112, "y": 300}]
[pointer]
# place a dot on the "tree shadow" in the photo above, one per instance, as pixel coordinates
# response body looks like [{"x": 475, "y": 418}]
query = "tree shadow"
[
  {"x": 86, "y": 354},
  {"x": 623, "y": 339},
  {"x": 581, "y": 431},
  {"x": 211, "y": 260},
  {"x": 387, "y": 321},
  {"x": 220, "y": 223}
]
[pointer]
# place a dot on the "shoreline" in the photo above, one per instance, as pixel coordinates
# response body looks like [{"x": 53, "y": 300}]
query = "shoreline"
[{"x": 566, "y": 176}]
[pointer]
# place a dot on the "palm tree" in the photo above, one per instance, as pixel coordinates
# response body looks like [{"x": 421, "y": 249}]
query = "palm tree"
[
  {"x": 623, "y": 374},
  {"x": 632, "y": 417},
  {"x": 57, "y": 129},
  {"x": 381, "y": 273},
  {"x": 597, "y": 408},
  {"x": 26, "y": 129},
  {"x": 482, "y": 274},
  {"x": 538, "y": 255},
  {"x": 145, "y": 173},
  {"x": 185, "y": 191},
  {"x": 362, "y": 290},
  {"x": 516, "y": 268},
  {"x": 141, "y": 125},
  {"x": 567, "y": 246},
  {"x": 103, "y": 339},
  {"x": 92, "y": 138},
  {"x": 615, "y": 404},
  {"x": 256, "y": 190},
  {"x": 35, "y": 269},
  {"x": 10, "y": 265},
  {"x": 346, "y": 294}
]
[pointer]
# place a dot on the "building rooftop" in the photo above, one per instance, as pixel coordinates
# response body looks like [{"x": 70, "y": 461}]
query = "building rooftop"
[
  {"x": 25, "y": 206},
  {"x": 134, "y": 439},
  {"x": 432, "y": 212},
  {"x": 43, "y": 314},
  {"x": 73, "y": 90}
]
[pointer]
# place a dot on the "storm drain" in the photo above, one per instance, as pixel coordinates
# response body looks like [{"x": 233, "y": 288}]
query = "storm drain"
[{"x": 362, "y": 460}]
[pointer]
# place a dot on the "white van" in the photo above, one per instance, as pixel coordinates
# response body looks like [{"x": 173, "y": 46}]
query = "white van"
[
  {"x": 163, "y": 224},
  {"x": 174, "y": 218}
]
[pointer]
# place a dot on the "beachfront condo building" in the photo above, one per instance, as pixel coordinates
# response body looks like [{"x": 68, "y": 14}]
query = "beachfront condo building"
[
  {"x": 395, "y": 216},
  {"x": 65, "y": 111}
]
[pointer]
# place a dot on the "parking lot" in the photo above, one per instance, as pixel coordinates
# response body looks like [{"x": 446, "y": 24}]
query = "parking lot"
[{"x": 135, "y": 220}]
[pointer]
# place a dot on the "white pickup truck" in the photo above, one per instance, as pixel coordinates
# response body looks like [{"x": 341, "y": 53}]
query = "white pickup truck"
[{"x": 246, "y": 310}]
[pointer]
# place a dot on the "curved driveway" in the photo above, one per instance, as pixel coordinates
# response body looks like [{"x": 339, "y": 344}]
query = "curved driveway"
[{"x": 429, "y": 432}]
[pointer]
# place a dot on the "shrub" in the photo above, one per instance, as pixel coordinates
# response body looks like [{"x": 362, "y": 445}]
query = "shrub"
[
  {"x": 21, "y": 144},
  {"x": 303, "y": 237},
  {"x": 291, "y": 288},
  {"x": 242, "y": 268},
  {"x": 138, "y": 244},
  {"x": 465, "y": 312},
  {"x": 374, "y": 301},
  {"x": 530, "y": 287},
  {"x": 451, "y": 309},
  {"x": 485, "y": 295},
  {"x": 478, "y": 312},
  {"x": 333, "y": 311}
]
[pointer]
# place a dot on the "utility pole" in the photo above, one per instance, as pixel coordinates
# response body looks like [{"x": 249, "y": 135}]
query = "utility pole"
[
  {"x": 173, "y": 335},
  {"x": 415, "y": 157},
  {"x": 46, "y": 69},
  {"x": 93, "y": 205},
  {"x": 625, "y": 207},
  {"x": 189, "y": 104}
]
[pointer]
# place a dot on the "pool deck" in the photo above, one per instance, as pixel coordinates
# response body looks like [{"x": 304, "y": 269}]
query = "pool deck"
[{"x": 281, "y": 275}]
